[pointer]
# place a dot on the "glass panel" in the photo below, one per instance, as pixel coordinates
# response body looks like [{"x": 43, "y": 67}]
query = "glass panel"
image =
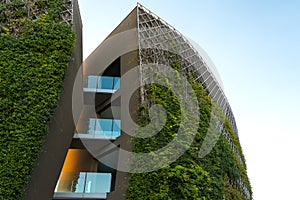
[
  {"x": 105, "y": 82},
  {"x": 106, "y": 127},
  {"x": 83, "y": 182},
  {"x": 116, "y": 83},
  {"x": 92, "y": 81},
  {"x": 98, "y": 183},
  {"x": 103, "y": 126},
  {"x": 92, "y": 124},
  {"x": 116, "y": 127},
  {"x": 71, "y": 182}
]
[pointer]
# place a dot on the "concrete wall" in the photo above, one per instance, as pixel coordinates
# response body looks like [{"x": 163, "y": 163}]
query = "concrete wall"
[{"x": 121, "y": 43}]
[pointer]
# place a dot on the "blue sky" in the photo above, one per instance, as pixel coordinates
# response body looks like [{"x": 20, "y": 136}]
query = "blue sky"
[{"x": 255, "y": 46}]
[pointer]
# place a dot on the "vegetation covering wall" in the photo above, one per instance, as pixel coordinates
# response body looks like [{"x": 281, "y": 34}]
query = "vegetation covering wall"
[
  {"x": 216, "y": 176},
  {"x": 35, "y": 49}
]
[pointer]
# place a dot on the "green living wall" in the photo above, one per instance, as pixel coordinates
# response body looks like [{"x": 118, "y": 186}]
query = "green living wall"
[
  {"x": 215, "y": 177},
  {"x": 35, "y": 49}
]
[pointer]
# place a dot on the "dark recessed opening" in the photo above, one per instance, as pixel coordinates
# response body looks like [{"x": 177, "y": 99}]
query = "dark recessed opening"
[{"x": 113, "y": 69}]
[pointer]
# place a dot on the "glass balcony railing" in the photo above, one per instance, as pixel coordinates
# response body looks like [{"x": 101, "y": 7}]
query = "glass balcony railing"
[
  {"x": 102, "y": 84},
  {"x": 83, "y": 185},
  {"x": 102, "y": 129}
]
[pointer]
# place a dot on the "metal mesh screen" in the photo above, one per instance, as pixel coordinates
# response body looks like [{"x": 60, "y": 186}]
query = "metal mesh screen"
[{"x": 156, "y": 37}]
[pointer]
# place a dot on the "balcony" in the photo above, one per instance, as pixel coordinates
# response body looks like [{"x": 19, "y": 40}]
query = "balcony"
[
  {"x": 78, "y": 185},
  {"x": 101, "y": 129},
  {"x": 102, "y": 84}
]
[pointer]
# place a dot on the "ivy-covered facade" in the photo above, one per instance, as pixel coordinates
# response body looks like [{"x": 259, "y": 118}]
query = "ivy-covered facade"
[
  {"x": 219, "y": 172},
  {"x": 37, "y": 50}
]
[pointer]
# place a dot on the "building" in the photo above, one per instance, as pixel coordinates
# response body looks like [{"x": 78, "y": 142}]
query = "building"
[
  {"x": 86, "y": 152},
  {"x": 61, "y": 128}
]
